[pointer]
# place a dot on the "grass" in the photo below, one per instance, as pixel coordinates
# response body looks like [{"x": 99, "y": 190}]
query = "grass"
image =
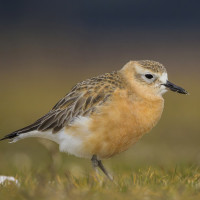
[
  {"x": 181, "y": 182},
  {"x": 162, "y": 165}
]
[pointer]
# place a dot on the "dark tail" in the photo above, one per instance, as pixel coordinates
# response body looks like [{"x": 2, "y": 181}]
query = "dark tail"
[
  {"x": 26, "y": 129},
  {"x": 35, "y": 126},
  {"x": 9, "y": 136}
]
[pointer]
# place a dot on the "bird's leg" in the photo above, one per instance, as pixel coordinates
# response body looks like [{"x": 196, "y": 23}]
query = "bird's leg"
[
  {"x": 94, "y": 162},
  {"x": 97, "y": 163},
  {"x": 105, "y": 171}
]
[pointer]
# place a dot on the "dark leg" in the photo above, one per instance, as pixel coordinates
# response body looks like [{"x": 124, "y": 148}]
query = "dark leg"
[{"x": 97, "y": 163}]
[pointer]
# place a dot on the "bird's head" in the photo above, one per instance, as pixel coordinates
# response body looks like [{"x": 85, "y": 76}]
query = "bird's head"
[{"x": 149, "y": 78}]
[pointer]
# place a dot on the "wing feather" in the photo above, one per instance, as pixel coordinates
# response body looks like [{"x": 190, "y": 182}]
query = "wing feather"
[{"x": 83, "y": 100}]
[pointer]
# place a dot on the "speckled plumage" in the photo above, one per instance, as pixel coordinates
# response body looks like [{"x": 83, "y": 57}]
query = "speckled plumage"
[
  {"x": 152, "y": 66},
  {"x": 83, "y": 100},
  {"x": 103, "y": 116}
]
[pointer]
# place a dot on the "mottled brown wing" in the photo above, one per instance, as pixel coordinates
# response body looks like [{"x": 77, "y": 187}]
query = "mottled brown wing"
[
  {"x": 83, "y": 100},
  {"x": 74, "y": 105}
]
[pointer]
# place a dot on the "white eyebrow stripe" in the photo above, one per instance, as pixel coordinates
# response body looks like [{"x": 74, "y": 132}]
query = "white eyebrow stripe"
[{"x": 140, "y": 70}]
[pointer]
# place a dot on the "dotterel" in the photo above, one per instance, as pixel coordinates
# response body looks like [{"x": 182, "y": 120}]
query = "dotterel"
[{"x": 105, "y": 115}]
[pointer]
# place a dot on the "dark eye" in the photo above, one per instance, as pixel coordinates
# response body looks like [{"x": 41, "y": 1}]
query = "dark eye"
[{"x": 149, "y": 76}]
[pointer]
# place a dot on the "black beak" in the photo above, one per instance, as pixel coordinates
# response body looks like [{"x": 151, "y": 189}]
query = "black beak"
[{"x": 175, "y": 88}]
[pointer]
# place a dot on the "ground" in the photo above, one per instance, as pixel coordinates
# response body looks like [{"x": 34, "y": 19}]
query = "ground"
[{"x": 181, "y": 182}]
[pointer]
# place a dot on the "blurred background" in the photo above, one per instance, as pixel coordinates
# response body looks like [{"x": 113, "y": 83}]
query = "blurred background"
[{"x": 48, "y": 46}]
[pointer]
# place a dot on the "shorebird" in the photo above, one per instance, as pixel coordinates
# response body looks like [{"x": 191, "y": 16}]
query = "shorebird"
[{"x": 105, "y": 115}]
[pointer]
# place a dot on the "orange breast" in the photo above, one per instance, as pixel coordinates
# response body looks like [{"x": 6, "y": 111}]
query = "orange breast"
[{"x": 122, "y": 123}]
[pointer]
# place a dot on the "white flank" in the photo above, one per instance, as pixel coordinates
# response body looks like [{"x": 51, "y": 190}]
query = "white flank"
[
  {"x": 72, "y": 142},
  {"x": 46, "y": 135},
  {"x": 69, "y": 140}
]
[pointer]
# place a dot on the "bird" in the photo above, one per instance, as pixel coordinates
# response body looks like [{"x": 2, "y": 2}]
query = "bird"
[{"x": 105, "y": 115}]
